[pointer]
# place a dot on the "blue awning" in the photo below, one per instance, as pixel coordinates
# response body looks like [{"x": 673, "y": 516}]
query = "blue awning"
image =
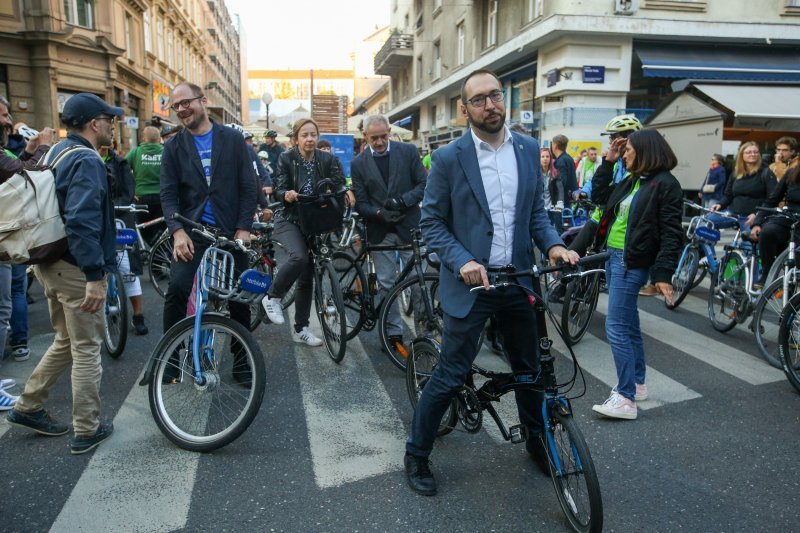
[
  {"x": 403, "y": 121},
  {"x": 698, "y": 62}
]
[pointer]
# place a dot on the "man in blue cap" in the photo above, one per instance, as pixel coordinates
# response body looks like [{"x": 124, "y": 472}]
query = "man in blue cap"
[{"x": 75, "y": 285}]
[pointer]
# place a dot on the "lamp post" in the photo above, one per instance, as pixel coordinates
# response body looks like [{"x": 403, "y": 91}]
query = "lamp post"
[{"x": 267, "y": 99}]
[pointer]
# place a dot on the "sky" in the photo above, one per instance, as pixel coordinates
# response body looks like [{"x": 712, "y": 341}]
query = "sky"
[{"x": 304, "y": 34}]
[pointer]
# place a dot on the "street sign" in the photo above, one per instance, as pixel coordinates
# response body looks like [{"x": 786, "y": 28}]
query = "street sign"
[
  {"x": 341, "y": 147},
  {"x": 132, "y": 123},
  {"x": 526, "y": 117},
  {"x": 594, "y": 74}
]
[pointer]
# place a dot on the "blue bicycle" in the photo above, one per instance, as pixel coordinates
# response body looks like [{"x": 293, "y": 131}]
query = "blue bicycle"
[
  {"x": 703, "y": 237},
  {"x": 570, "y": 463},
  {"x": 207, "y": 375}
]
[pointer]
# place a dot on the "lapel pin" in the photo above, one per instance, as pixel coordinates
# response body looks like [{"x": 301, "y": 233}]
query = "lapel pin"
[{"x": 520, "y": 147}]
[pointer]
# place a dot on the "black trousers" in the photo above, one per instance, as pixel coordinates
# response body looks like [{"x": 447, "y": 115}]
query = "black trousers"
[
  {"x": 181, "y": 277},
  {"x": 517, "y": 323},
  {"x": 772, "y": 240},
  {"x": 298, "y": 267}
]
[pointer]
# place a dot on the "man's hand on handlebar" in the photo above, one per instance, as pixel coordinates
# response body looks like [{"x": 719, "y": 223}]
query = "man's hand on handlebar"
[
  {"x": 474, "y": 274},
  {"x": 559, "y": 254},
  {"x": 183, "y": 247},
  {"x": 716, "y": 207},
  {"x": 290, "y": 196},
  {"x": 242, "y": 235}
]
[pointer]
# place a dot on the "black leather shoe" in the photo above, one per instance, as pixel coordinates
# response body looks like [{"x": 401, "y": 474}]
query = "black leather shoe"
[
  {"x": 79, "y": 445},
  {"x": 537, "y": 452},
  {"x": 139, "y": 327},
  {"x": 40, "y": 421},
  {"x": 419, "y": 475}
]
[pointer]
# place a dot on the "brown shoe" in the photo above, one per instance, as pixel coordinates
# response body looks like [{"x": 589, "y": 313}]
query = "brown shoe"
[{"x": 648, "y": 290}]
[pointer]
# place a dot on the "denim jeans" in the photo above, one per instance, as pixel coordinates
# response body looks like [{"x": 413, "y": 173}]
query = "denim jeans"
[
  {"x": 5, "y": 305},
  {"x": 517, "y": 324},
  {"x": 19, "y": 306},
  {"x": 721, "y": 222},
  {"x": 622, "y": 323},
  {"x": 386, "y": 271}
]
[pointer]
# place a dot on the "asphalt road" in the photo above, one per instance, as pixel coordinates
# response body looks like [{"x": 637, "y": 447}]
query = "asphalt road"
[{"x": 712, "y": 451}]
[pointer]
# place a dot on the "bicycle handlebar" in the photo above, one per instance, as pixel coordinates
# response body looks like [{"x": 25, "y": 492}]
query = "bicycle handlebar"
[
  {"x": 133, "y": 208},
  {"x": 699, "y": 207},
  {"x": 218, "y": 240},
  {"x": 578, "y": 269},
  {"x": 308, "y": 198}
]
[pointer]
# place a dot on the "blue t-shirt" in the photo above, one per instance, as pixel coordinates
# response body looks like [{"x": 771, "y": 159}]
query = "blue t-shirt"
[{"x": 203, "y": 145}]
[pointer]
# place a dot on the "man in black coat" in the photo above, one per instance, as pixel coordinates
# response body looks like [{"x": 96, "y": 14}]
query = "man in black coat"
[
  {"x": 565, "y": 166},
  {"x": 206, "y": 176},
  {"x": 389, "y": 181}
]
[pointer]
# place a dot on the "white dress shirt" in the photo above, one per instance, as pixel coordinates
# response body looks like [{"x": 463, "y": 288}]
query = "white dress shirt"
[{"x": 500, "y": 181}]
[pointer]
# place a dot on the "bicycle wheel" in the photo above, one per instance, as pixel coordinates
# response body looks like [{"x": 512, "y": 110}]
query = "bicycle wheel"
[
  {"x": 683, "y": 279},
  {"x": 573, "y": 474},
  {"x": 419, "y": 370},
  {"x": 727, "y": 290},
  {"x": 406, "y": 301},
  {"x": 580, "y": 301},
  {"x": 767, "y": 319},
  {"x": 330, "y": 310},
  {"x": 702, "y": 270},
  {"x": 789, "y": 341},
  {"x": 116, "y": 316},
  {"x": 423, "y": 324},
  {"x": 354, "y": 286},
  {"x": 158, "y": 265},
  {"x": 206, "y": 417},
  {"x": 776, "y": 270}
]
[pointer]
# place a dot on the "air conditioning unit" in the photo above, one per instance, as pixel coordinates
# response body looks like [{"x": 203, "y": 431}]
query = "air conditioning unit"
[{"x": 626, "y": 7}]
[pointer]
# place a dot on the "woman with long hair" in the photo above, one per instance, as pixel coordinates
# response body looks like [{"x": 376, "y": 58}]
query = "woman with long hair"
[
  {"x": 641, "y": 229},
  {"x": 553, "y": 188},
  {"x": 748, "y": 186},
  {"x": 299, "y": 170}
]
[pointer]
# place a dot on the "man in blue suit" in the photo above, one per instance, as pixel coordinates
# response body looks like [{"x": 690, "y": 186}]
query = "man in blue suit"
[{"x": 482, "y": 208}]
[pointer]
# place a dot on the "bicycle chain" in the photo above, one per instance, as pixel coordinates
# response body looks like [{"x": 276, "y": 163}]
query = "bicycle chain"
[{"x": 470, "y": 413}]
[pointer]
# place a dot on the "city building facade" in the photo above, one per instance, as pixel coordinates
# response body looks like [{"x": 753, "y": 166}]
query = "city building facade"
[
  {"x": 568, "y": 66},
  {"x": 129, "y": 52}
]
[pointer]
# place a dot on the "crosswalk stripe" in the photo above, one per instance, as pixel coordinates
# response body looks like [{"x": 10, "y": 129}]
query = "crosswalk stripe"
[
  {"x": 137, "y": 464},
  {"x": 595, "y": 357},
  {"x": 721, "y": 356},
  {"x": 353, "y": 428}
]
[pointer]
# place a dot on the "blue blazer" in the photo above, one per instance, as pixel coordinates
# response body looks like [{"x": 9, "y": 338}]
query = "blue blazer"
[{"x": 457, "y": 225}]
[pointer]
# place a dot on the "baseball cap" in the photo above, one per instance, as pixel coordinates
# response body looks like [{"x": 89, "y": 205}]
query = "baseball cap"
[{"x": 83, "y": 107}]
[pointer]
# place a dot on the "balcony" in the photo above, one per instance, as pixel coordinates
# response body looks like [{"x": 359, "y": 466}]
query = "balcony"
[{"x": 395, "y": 54}]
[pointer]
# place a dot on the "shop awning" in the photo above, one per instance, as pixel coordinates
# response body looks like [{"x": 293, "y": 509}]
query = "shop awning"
[
  {"x": 773, "y": 107},
  {"x": 692, "y": 61}
]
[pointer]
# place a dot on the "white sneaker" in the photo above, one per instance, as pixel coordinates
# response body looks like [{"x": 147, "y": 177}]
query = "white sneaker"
[
  {"x": 274, "y": 309},
  {"x": 21, "y": 353},
  {"x": 641, "y": 392},
  {"x": 306, "y": 336},
  {"x": 7, "y": 383},
  {"x": 7, "y": 401},
  {"x": 617, "y": 406}
]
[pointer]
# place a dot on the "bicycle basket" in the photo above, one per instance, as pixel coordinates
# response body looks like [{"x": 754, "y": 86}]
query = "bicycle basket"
[
  {"x": 216, "y": 273},
  {"x": 320, "y": 216}
]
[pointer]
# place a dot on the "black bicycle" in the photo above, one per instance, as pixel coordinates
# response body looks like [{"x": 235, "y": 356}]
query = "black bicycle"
[
  {"x": 415, "y": 290},
  {"x": 571, "y": 467}
]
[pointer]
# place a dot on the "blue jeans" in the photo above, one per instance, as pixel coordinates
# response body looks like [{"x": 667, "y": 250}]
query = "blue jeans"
[
  {"x": 622, "y": 323},
  {"x": 721, "y": 222},
  {"x": 19, "y": 306},
  {"x": 517, "y": 323},
  {"x": 5, "y": 304}
]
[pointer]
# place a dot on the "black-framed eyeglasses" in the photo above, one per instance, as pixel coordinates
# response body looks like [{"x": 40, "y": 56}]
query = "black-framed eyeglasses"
[
  {"x": 480, "y": 100},
  {"x": 183, "y": 104}
]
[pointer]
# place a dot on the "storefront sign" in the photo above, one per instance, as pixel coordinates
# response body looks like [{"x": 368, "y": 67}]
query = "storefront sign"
[
  {"x": 161, "y": 98},
  {"x": 594, "y": 74}
]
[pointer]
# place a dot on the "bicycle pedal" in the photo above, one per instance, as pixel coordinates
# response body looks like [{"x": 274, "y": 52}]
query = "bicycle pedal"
[{"x": 519, "y": 433}]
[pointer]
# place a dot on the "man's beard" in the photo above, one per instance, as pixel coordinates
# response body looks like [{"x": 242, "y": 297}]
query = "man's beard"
[
  {"x": 198, "y": 117},
  {"x": 482, "y": 126},
  {"x": 3, "y": 137}
]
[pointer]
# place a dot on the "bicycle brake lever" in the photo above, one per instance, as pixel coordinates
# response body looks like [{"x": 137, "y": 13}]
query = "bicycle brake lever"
[{"x": 482, "y": 288}]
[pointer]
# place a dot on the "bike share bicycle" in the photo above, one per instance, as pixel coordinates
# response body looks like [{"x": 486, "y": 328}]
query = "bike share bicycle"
[
  {"x": 206, "y": 377},
  {"x": 413, "y": 284},
  {"x": 571, "y": 467}
]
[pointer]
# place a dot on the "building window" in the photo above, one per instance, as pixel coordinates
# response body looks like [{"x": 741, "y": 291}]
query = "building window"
[
  {"x": 148, "y": 45},
  {"x": 437, "y": 60},
  {"x": 79, "y": 12},
  {"x": 160, "y": 38},
  {"x": 491, "y": 24},
  {"x": 534, "y": 9},
  {"x": 418, "y": 5},
  {"x": 460, "y": 43},
  {"x": 418, "y": 77},
  {"x": 129, "y": 42},
  {"x": 170, "y": 50},
  {"x": 433, "y": 117}
]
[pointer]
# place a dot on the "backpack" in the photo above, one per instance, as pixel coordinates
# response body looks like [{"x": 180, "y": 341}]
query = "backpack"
[{"x": 31, "y": 226}]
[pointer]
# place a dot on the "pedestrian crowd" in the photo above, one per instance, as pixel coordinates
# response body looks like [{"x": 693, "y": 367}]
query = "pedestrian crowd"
[{"x": 482, "y": 202}]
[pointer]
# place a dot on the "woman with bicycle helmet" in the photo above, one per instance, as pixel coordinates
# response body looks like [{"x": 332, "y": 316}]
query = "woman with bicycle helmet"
[
  {"x": 772, "y": 232},
  {"x": 299, "y": 171},
  {"x": 641, "y": 229}
]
